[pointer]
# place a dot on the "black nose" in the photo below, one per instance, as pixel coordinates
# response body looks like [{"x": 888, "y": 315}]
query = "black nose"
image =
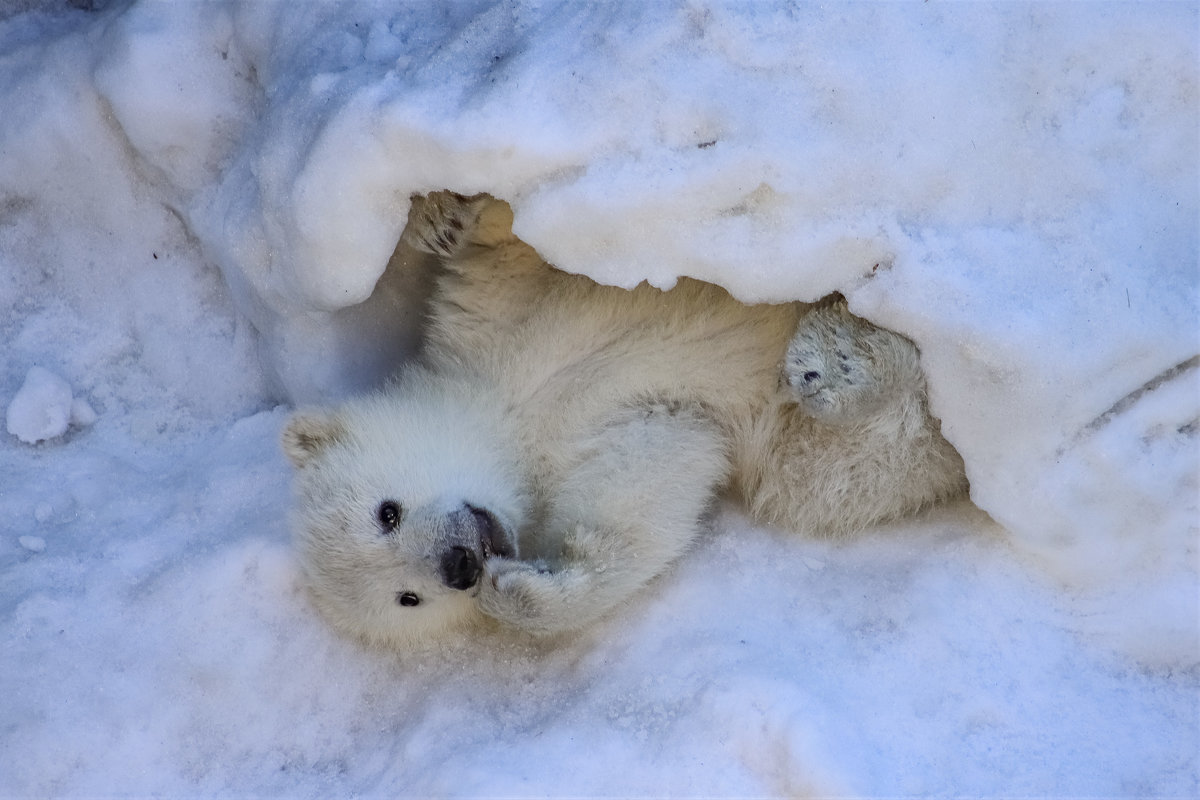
[{"x": 460, "y": 568}]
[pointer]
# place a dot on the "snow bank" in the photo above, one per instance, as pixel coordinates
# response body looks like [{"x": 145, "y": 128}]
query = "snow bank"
[{"x": 1013, "y": 186}]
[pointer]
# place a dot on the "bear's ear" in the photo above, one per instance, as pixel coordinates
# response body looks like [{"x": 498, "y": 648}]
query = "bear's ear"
[{"x": 307, "y": 434}]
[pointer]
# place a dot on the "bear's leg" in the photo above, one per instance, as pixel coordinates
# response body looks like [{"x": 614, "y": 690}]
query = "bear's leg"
[
  {"x": 852, "y": 443},
  {"x": 444, "y": 223},
  {"x": 629, "y": 506}
]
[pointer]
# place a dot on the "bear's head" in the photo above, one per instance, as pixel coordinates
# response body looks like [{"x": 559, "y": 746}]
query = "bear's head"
[{"x": 401, "y": 499}]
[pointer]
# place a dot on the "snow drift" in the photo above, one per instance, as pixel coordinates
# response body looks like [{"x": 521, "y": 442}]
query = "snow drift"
[{"x": 1029, "y": 220}]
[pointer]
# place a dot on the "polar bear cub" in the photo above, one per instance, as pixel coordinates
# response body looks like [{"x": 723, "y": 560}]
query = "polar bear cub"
[{"x": 560, "y": 442}]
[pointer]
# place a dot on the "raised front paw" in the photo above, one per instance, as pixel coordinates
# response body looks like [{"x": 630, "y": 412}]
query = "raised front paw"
[
  {"x": 841, "y": 368},
  {"x": 527, "y": 597},
  {"x": 441, "y": 223}
]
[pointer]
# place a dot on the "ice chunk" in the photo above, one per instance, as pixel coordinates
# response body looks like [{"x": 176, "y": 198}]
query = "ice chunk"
[
  {"x": 34, "y": 544},
  {"x": 82, "y": 413},
  {"x": 41, "y": 409}
]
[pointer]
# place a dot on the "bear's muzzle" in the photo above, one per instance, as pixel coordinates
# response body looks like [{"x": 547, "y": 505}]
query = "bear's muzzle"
[{"x": 477, "y": 535}]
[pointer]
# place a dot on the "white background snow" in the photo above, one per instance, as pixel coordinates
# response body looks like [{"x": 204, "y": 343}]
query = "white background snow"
[{"x": 197, "y": 204}]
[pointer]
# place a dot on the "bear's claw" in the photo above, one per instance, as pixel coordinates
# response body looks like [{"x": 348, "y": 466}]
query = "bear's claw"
[{"x": 440, "y": 223}]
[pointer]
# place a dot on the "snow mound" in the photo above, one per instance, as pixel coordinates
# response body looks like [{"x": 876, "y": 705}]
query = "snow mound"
[
  {"x": 43, "y": 408},
  {"x": 1015, "y": 190}
]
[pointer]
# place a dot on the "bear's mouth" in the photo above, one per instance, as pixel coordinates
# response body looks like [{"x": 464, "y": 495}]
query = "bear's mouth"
[{"x": 494, "y": 539}]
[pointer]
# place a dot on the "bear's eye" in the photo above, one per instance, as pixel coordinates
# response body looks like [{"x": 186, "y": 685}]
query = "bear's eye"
[
  {"x": 408, "y": 599},
  {"x": 388, "y": 515}
]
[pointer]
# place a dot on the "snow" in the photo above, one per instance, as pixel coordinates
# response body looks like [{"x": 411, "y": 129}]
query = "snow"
[
  {"x": 82, "y": 413},
  {"x": 199, "y": 210},
  {"x": 41, "y": 408},
  {"x": 34, "y": 544}
]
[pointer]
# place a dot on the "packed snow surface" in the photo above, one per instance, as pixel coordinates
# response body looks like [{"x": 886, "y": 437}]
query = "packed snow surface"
[{"x": 199, "y": 210}]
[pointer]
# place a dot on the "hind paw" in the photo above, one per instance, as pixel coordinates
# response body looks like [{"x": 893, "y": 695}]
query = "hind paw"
[{"x": 840, "y": 368}]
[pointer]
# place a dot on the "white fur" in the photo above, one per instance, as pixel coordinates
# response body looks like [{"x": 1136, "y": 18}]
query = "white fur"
[{"x": 596, "y": 425}]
